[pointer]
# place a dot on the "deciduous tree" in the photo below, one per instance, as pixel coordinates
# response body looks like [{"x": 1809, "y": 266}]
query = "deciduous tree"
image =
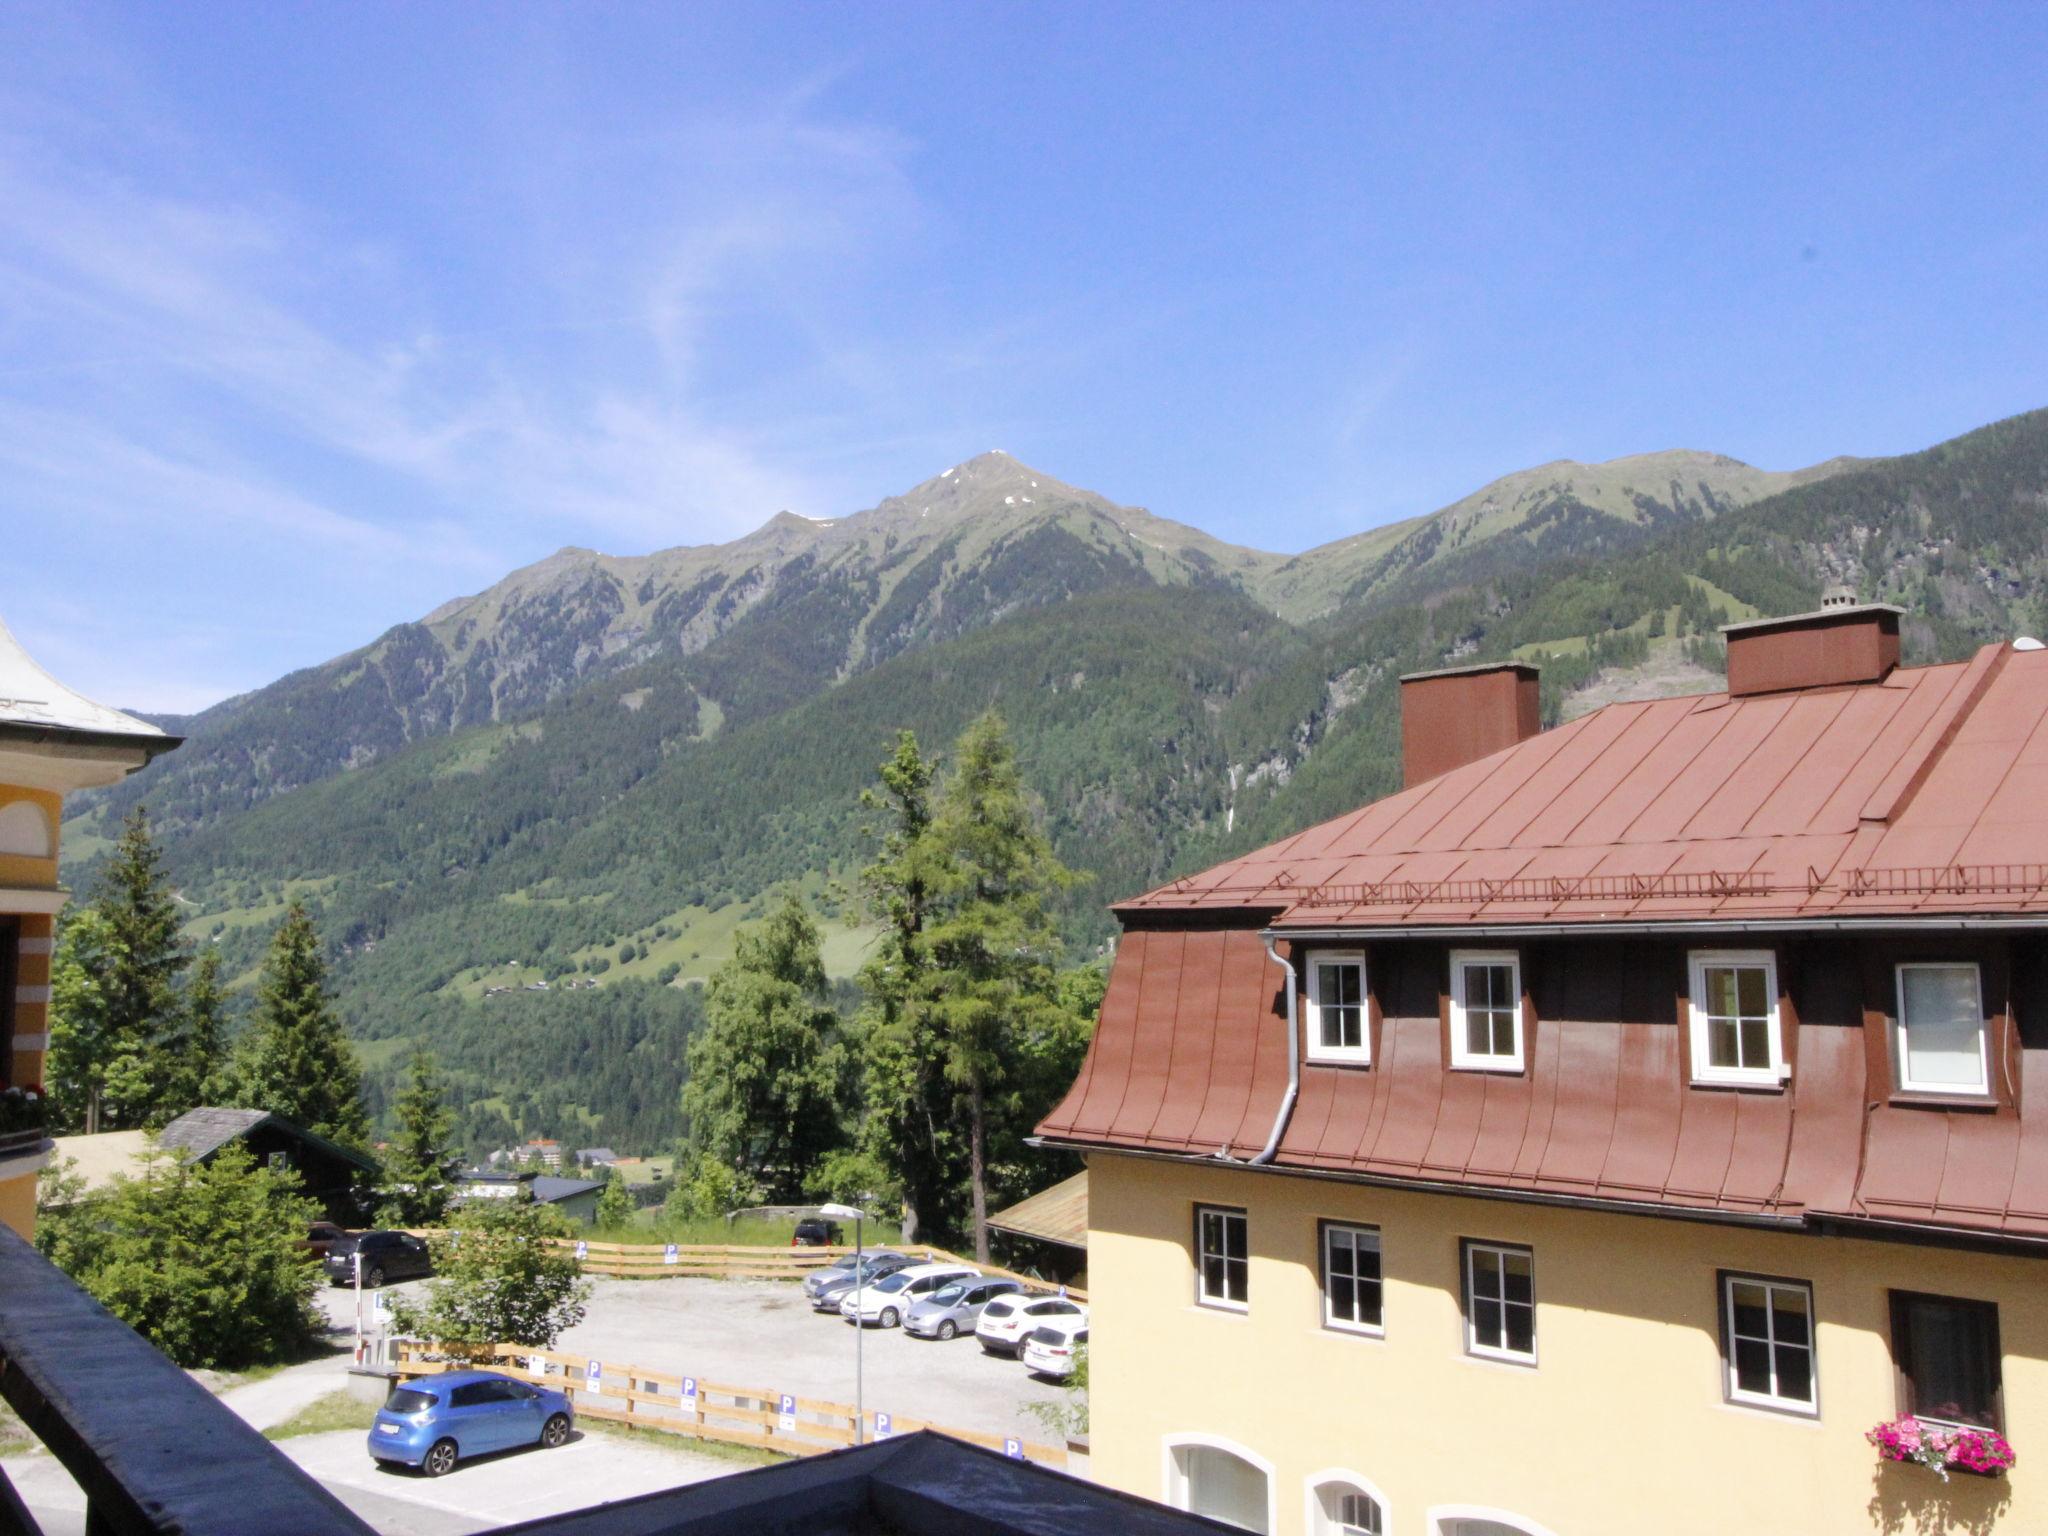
[
  {"x": 761, "y": 1095},
  {"x": 501, "y": 1281}
]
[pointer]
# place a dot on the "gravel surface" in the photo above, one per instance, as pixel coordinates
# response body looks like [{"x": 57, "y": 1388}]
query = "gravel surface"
[{"x": 762, "y": 1333}]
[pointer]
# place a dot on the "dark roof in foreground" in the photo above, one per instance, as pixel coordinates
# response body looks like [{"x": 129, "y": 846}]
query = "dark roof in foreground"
[
  {"x": 914, "y": 1485},
  {"x": 1906, "y": 798},
  {"x": 202, "y": 1132}
]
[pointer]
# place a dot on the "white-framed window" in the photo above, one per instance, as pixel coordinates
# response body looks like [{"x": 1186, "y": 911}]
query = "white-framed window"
[
  {"x": 1500, "y": 1302},
  {"x": 1735, "y": 1032},
  {"x": 1207, "y": 1475},
  {"x": 1486, "y": 1010},
  {"x": 1351, "y": 1277},
  {"x": 1767, "y": 1339},
  {"x": 1472, "y": 1520},
  {"x": 1338, "y": 1026},
  {"x": 1222, "y": 1257},
  {"x": 1345, "y": 1504},
  {"x": 1941, "y": 1043}
]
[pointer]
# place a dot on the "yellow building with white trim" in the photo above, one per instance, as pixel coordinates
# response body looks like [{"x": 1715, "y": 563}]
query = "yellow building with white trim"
[{"x": 53, "y": 742}]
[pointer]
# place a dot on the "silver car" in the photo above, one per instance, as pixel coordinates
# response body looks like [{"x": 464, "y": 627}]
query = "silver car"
[
  {"x": 841, "y": 1268},
  {"x": 954, "y": 1309},
  {"x": 831, "y": 1292}
]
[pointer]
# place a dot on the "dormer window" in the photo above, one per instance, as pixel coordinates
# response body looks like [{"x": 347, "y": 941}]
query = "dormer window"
[
  {"x": 1735, "y": 1034},
  {"x": 1338, "y": 1029},
  {"x": 1486, "y": 1010},
  {"x": 1941, "y": 1045}
]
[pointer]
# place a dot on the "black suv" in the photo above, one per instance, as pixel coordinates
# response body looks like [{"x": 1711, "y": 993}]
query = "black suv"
[
  {"x": 386, "y": 1256},
  {"x": 817, "y": 1232}
]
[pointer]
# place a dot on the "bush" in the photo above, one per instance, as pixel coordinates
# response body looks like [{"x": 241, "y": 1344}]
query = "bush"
[
  {"x": 706, "y": 1189},
  {"x": 500, "y": 1282},
  {"x": 202, "y": 1259}
]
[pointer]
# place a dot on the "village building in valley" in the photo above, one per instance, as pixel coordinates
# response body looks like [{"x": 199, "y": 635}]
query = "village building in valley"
[
  {"x": 53, "y": 741},
  {"x": 1608, "y": 1132}
]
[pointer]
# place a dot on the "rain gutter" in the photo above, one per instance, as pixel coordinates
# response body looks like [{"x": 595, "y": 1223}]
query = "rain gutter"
[{"x": 1566, "y": 930}]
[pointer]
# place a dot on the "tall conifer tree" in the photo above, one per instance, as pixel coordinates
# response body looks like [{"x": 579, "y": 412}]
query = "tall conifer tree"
[
  {"x": 295, "y": 1061},
  {"x": 139, "y": 978},
  {"x": 421, "y": 1163}
]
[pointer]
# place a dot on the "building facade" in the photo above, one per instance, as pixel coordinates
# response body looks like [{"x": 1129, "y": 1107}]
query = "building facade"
[
  {"x": 1607, "y": 1132},
  {"x": 53, "y": 742}
]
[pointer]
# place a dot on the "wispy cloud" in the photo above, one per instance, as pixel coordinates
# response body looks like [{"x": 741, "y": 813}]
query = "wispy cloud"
[{"x": 206, "y": 365}]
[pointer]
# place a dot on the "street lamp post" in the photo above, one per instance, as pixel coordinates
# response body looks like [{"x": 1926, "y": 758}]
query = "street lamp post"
[{"x": 860, "y": 1275}]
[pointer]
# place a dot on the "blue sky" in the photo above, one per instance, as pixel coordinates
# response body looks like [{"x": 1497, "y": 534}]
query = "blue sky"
[{"x": 313, "y": 317}]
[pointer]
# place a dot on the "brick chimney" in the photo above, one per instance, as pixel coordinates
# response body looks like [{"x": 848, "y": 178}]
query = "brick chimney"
[
  {"x": 1461, "y": 714},
  {"x": 1841, "y": 643}
]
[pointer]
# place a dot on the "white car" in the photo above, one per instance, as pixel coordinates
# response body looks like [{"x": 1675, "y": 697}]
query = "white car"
[
  {"x": 889, "y": 1298},
  {"x": 1005, "y": 1321},
  {"x": 1049, "y": 1348}
]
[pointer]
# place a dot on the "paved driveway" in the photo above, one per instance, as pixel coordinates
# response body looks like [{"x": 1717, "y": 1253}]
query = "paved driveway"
[
  {"x": 500, "y": 1490},
  {"x": 762, "y": 1333}
]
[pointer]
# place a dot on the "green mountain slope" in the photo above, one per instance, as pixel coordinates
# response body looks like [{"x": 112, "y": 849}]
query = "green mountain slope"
[{"x": 606, "y": 833}]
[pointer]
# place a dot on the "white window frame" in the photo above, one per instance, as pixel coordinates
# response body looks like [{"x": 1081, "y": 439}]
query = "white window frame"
[
  {"x": 1376, "y": 1330},
  {"x": 1319, "y": 1522},
  {"x": 1806, "y": 1407},
  {"x": 1473, "y": 1247},
  {"x": 1202, "y": 1296},
  {"x": 1899, "y": 1032},
  {"x": 1778, "y": 1070},
  {"x": 1174, "y": 1481},
  {"x": 1349, "y": 1055},
  {"x": 1443, "y": 1520},
  {"x": 1463, "y": 1058}
]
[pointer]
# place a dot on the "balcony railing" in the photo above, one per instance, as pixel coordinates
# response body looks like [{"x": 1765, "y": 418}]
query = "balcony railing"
[{"x": 153, "y": 1451}]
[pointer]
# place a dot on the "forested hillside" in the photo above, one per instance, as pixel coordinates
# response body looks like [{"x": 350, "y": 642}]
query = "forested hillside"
[{"x": 553, "y": 783}]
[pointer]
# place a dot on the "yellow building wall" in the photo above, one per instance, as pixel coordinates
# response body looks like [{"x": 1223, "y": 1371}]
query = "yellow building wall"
[
  {"x": 1620, "y": 1428},
  {"x": 27, "y": 1042}
]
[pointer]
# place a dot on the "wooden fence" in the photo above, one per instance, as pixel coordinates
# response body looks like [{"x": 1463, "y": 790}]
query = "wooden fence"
[
  {"x": 641, "y": 1398},
  {"x": 730, "y": 1261}
]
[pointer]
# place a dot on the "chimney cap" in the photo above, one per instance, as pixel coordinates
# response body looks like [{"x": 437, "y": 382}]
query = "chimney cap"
[
  {"x": 1818, "y": 615},
  {"x": 1523, "y": 668}
]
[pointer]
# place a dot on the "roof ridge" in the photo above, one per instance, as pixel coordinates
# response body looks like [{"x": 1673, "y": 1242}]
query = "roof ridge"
[{"x": 1896, "y": 791}]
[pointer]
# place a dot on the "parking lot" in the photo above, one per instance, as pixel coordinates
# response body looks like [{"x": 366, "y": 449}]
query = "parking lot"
[{"x": 762, "y": 1333}]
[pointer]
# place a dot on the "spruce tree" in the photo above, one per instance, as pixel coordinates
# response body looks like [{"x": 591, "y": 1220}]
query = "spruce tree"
[
  {"x": 421, "y": 1162},
  {"x": 143, "y": 961},
  {"x": 195, "y": 1070},
  {"x": 295, "y": 1060}
]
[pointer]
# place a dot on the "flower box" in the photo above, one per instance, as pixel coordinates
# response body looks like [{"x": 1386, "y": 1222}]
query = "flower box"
[{"x": 1943, "y": 1448}]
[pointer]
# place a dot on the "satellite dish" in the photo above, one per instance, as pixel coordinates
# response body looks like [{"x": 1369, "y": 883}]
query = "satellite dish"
[{"x": 2028, "y": 643}]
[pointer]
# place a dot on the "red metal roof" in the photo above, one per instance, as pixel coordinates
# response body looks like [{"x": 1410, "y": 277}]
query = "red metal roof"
[
  {"x": 1924, "y": 796},
  {"x": 1925, "y": 793}
]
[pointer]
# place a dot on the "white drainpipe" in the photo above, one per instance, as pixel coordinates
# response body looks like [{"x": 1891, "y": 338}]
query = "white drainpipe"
[{"x": 1293, "y": 1057}]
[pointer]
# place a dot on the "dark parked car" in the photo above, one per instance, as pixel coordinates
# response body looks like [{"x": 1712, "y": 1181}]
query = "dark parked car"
[
  {"x": 817, "y": 1232},
  {"x": 386, "y": 1256}
]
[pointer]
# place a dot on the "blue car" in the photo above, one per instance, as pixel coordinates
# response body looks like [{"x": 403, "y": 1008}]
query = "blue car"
[{"x": 436, "y": 1421}]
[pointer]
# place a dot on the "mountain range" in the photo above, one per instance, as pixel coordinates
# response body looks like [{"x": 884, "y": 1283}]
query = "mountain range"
[{"x": 590, "y": 773}]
